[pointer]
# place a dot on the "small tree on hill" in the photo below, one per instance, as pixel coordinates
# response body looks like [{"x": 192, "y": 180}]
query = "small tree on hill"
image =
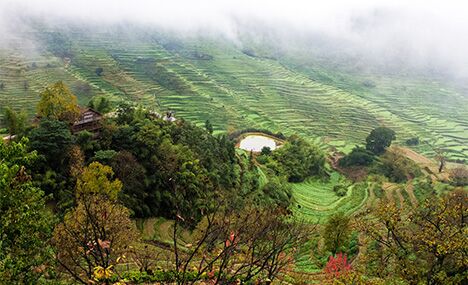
[
  {"x": 209, "y": 126},
  {"x": 379, "y": 139},
  {"x": 15, "y": 122},
  {"x": 336, "y": 233},
  {"x": 99, "y": 71},
  {"x": 359, "y": 156}
]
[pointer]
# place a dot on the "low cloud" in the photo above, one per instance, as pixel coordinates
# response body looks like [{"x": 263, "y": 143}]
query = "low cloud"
[{"x": 415, "y": 32}]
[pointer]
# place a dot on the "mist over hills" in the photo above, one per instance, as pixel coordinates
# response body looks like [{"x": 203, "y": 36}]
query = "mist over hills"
[{"x": 251, "y": 70}]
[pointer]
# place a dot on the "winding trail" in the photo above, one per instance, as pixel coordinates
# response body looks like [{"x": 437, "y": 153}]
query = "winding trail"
[{"x": 410, "y": 191}]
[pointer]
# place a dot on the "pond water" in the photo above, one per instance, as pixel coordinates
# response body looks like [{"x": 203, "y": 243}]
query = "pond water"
[{"x": 256, "y": 143}]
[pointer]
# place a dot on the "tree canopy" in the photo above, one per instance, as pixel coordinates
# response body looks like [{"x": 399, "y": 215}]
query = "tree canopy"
[
  {"x": 379, "y": 139},
  {"x": 58, "y": 103},
  {"x": 25, "y": 223}
]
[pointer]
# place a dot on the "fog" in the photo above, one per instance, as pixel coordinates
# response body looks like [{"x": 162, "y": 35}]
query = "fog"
[{"x": 418, "y": 33}]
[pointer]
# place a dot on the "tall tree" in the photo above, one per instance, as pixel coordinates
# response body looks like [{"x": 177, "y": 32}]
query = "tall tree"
[
  {"x": 379, "y": 139},
  {"x": 52, "y": 139},
  {"x": 25, "y": 223},
  {"x": 58, "y": 103},
  {"x": 336, "y": 233},
  {"x": 97, "y": 231},
  {"x": 14, "y": 121},
  {"x": 426, "y": 245}
]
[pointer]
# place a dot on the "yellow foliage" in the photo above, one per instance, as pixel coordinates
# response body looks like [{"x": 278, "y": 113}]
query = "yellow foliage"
[
  {"x": 102, "y": 273},
  {"x": 58, "y": 102},
  {"x": 96, "y": 180}
]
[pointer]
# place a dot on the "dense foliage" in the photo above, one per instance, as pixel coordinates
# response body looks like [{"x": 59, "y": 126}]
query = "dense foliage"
[
  {"x": 25, "y": 223},
  {"x": 228, "y": 213},
  {"x": 296, "y": 160},
  {"x": 379, "y": 139},
  {"x": 426, "y": 245},
  {"x": 359, "y": 156}
]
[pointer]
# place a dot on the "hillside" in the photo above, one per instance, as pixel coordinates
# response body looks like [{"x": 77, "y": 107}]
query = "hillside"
[{"x": 237, "y": 87}]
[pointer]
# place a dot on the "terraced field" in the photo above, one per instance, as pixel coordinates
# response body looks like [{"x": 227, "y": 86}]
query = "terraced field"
[
  {"x": 215, "y": 80},
  {"x": 315, "y": 200}
]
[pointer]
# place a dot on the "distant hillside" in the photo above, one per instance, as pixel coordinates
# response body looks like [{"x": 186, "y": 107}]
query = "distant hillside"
[{"x": 237, "y": 86}]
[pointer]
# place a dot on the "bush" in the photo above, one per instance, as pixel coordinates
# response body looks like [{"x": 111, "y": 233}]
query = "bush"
[
  {"x": 397, "y": 167},
  {"x": 459, "y": 176},
  {"x": 299, "y": 159},
  {"x": 412, "y": 141},
  {"x": 340, "y": 190},
  {"x": 359, "y": 156}
]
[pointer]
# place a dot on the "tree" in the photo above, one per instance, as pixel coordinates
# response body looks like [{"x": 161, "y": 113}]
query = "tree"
[
  {"x": 25, "y": 222},
  {"x": 298, "y": 159},
  {"x": 379, "y": 139},
  {"x": 97, "y": 231},
  {"x": 52, "y": 139},
  {"x": 397, "y": 167},
  {"x": 359, "y": 156},
  {"x": 132, "y": 174},
  {"x": 58, "y": 103},
  {"x": 14, "y": 121},
  {"x": 99, "y": 71},
  {"x": 96, "y": 181},
  {"x": 459, "y": 176},
  {"x": 209, "y": 126},
  {"x": 255, "y": 244},
  {"x": 100, "y": 104},
  {"x": 440, "y": 156},
  {"x": 336, "y": 233},
  {"x": 427, "y": 244},
  {"x": 265, "y": 151}
]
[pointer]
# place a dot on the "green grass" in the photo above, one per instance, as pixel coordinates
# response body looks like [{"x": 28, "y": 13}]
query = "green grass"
[{"x": 315, "y": 200}]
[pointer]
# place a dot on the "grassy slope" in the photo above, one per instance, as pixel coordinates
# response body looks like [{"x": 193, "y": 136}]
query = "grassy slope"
[
  {"x": 235, "y": 90},
  {"x": 315, "y": 200}
]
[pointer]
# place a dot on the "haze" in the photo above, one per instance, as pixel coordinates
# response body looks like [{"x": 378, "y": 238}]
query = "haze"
[{"x": 416, "y": 32}]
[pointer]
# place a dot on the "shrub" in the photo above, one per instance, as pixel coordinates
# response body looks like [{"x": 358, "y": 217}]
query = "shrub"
[
  {"x": 412, "y": 141},
  {"x": 397, "y": 167},
  {"x": 359, "y": 156},
  {"x": 337, "y": 266},
  {"x": 459, "y": 176},
  {"x": 340, "y": 190}
]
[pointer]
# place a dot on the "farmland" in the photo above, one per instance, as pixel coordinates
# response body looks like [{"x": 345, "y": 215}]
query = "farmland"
[{"x": 234, "y": 89}]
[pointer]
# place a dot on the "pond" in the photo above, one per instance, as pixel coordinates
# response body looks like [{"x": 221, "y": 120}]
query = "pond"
[{"x": 256, "y": 143}]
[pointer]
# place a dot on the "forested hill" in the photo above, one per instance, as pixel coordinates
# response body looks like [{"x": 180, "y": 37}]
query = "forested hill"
[{"x": 238, "y": 85}]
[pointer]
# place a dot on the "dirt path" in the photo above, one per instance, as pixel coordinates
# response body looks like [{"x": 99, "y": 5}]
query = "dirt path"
[
  {"x": 401, "y": 199},
  {"x": 388, "y": 189},
  {"x": 410, "y": 191},
  {"x": 371, "y": 198},
  {"x": 391, "y": 188}
]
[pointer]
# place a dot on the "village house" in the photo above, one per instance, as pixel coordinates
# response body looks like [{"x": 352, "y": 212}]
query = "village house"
[{"x": 89, "y": 120}]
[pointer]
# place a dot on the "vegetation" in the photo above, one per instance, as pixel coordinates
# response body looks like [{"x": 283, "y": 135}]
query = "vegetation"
[
  {"x": 397, "y": 167},
  {"x": 58, "y": 103},
  {"x": 423, "y": 245},
  {"x": 336, "y": 233},
  {"x": 15, "y": 122},
  {"x": 297, "y": 160},
  {"x": 359, "y": 156},
  {"x": 205, "y": 211},
  {"x": 25, "y": 223},
  {"x": 379, "y": 139}
]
